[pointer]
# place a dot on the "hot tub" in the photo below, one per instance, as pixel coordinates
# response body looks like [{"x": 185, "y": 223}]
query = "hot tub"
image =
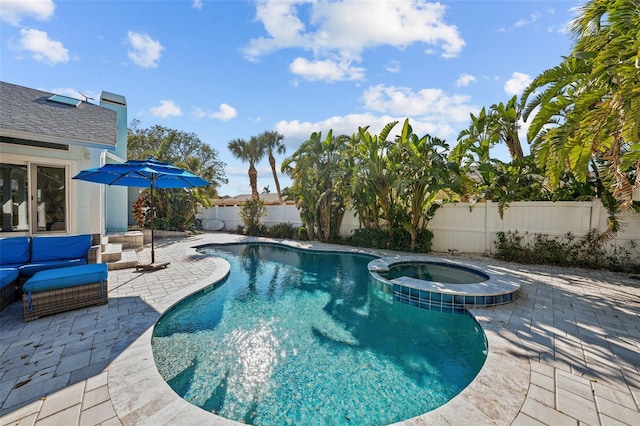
[{"x": 439, "y": 284}]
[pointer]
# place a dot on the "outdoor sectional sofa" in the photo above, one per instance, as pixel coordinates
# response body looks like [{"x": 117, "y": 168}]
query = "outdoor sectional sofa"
[{"x": 24, "y": 257}]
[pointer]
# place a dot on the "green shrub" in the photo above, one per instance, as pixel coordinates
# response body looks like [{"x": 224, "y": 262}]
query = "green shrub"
[
  {"x": 369, "y": 237},
  {"x": 302, "y": 234},
  {"x": 398, "y": 239},
  {"x": 251, "y": 212},
  {"x": 282, "y": 230},
  {"x": 588, "y": 252}
]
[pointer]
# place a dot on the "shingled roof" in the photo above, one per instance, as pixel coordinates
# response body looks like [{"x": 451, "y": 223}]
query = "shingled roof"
[{"x": 29, "y": 114}]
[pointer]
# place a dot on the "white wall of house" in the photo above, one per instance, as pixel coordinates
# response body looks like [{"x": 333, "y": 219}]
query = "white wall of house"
[
  {"x": 82, "y": 217},
  {"x": 457, "y": 227},
  {"x": 117, "y": 200},
  {"x": 44, "y": 143}
]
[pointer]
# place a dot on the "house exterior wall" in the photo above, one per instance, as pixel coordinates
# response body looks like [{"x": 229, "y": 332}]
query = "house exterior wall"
[
  {"x": 34, "y": 131},
  {"x": 116, "y": 197},
  {"x": 83, "y": 217}
]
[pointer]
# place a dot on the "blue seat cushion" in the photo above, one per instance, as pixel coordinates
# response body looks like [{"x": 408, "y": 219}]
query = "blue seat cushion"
[
  {"x": 44, "y": 249},
  {"x": 8, "y": 276},
  {"x": 15, "y": 250},
  {"x": 55, "y": 279},
  {"x": 31, "y": 268}
]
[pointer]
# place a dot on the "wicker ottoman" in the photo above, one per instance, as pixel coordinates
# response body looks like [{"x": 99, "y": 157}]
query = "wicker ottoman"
[{"x": 64, "y": 289}]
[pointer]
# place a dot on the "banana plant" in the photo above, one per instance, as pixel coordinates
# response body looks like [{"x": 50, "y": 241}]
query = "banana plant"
[
  {"x": 320, "y": 172},
  {"x": 424, "y": 178}
]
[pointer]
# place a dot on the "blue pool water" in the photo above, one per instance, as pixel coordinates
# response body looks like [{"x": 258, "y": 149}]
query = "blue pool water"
[
  {"x": 436, "y": 272},
  {"x": 296, "y": 337}
]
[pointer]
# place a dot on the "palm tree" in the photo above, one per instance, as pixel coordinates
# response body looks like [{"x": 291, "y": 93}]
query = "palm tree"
[
  {"x": 249, "y": 152},
  {"x": 588, "y": 107},
  {"x": 272, "y": 141}
]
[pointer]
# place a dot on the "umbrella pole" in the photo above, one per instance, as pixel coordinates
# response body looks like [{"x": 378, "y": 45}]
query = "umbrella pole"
[{"x": 153, "y": 213}]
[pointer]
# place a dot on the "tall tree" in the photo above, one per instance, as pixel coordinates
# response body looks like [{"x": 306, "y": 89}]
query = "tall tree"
[
  {"x": 487, "y": 129},
  {"x": 506, "y": 118},
  {"x": 321, "y": 176},
  {"x": 249, "y": 152},
  {"x": 183, "y": 149},
  {"x": 272, "y": 141},
  {"x": 587, "y": 109},
  {"x": 424, "y": 177},
  {"x": 176, "y": 207},
  {"x": 374, "y": 178},
  {"x": 475, "y": 141}
]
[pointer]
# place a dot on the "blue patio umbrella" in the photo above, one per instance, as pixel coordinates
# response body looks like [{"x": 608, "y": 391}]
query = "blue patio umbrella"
[{"x": 147, "y": 173}]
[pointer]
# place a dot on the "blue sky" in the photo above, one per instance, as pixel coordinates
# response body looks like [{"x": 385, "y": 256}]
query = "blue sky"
[{"x": 233, "y": 69}]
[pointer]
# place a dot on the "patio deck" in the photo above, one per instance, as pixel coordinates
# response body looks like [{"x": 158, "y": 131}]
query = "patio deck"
[{"x": 567, "y": 351}]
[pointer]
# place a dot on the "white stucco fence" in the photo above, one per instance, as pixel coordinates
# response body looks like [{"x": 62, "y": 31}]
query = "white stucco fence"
[{"x": 456, "y": 227}]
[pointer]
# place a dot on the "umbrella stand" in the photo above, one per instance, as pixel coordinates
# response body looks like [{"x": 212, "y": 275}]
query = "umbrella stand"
[
  {"x": 153, "y": 213},
  {"x": 153, "y": 265}
]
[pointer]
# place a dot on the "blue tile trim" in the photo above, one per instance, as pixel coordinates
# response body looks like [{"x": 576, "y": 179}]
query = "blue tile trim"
[{"x": 436, "y": 301}]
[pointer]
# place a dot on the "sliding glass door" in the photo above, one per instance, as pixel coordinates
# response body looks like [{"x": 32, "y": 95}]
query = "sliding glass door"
[
  {"x": 34, "y": 197},
  {"x": 50, "y": 198},
  {"x": 14, "y": 192}
]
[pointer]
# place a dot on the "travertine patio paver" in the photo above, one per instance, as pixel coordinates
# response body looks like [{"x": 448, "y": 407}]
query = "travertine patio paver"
[{"x": 566, "y": 352}]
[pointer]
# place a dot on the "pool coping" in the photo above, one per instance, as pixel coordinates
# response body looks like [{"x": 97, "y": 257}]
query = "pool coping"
[{"x": 495, "y": 396}]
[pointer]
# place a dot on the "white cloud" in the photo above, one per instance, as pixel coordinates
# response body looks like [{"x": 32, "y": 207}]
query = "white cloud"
[
  {"x": 465, "y": 79},
  {"x": 531, "y": 19},
  {"x": 144, "y": 51},
  {"x": 345, "y": 29},
  {"x": 12, "y": 11},
  {"x": 225, "y": 113},
  {"x": 523, "y": 22},
  {"x": 431, "y": 104},
  {"x": 429, "y": 111},
  {"x": 297, "y": 132},
  {"x": 197, "y": 4},
  {"x": 517, "y": 83},
  {"x": 393, "y": 66},
  {"x": 42, "y": 48},
  {"x": 326, "y": 70},
  {"x": 166, "y": 109}
]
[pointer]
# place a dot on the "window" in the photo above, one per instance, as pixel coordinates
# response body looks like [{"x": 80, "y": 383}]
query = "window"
[
  {"x": 35, "y": 198},
  {"x": 14, "y": 192},
  {"x": 66, "y": 100},
  {"x": 50, "y": 199}
]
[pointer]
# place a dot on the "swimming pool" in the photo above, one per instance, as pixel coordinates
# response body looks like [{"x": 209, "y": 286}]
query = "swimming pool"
[{"x": 293, "y": 337}]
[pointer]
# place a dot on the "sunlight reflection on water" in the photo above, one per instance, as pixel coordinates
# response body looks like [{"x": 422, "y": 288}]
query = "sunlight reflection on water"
[{"x": 296, "y": 338}]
